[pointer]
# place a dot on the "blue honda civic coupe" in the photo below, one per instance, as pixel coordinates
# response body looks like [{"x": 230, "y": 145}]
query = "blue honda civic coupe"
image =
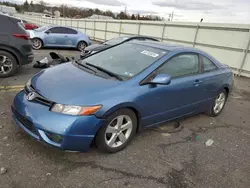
[{"x": 109, "y": 96}]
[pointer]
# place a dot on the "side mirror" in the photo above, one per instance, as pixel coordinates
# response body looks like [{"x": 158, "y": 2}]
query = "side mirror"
[
  {"x": 48, "y": 32},
  {"x": 162, "y": 79}
]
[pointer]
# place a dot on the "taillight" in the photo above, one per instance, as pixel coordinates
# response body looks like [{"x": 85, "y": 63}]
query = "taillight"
[{"x": 22, "y": 36}]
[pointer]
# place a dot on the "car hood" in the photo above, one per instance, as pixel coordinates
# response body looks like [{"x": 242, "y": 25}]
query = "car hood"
[
  {"x": 96, "y": 47},
  {"x": 69, "y": 84}
]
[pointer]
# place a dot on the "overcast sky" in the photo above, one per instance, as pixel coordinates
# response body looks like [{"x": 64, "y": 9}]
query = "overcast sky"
[{"x": 230, "y": 11}]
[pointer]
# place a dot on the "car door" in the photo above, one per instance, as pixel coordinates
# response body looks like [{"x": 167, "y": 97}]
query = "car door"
[
  {"x": 56, "y": 36},
  {"x": 181, "y": 97},
  {"x": 71, "y": 37},
  {"x": 210, "y": 79}
]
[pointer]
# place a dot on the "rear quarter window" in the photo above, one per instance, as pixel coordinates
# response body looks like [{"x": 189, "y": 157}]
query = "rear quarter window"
[
  {"x": 208, "y": 65},
  {"x": 72, "y": 31}
]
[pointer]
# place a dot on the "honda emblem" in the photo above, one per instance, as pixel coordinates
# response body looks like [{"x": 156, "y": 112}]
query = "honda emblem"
[{"x": 31, "y": 96}]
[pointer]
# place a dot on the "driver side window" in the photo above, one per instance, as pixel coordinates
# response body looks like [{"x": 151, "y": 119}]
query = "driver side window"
[{"x": 181, "y": 65}]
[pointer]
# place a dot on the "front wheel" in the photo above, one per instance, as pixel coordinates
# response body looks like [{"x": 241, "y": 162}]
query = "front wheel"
[
  {"x": 218, "y": 103},
  {"x": 36, "y": 44},
  {"x": 117, "y": 132},
  {"x": 81, "y": 45}
]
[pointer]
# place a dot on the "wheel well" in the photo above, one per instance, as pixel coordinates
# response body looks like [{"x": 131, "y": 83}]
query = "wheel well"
[
  {"x": 14, "y": 55},
  {"x": 82, "y": 41},
  {"x": 137, "y": 113},
  {"x": 138, "y": 117},
  {"x": 227, "y": 89}
]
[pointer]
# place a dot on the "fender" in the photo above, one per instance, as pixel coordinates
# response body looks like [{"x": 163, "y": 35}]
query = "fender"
[
  {"x": 120, "y": 106},
  {"x": 225, "y": 86},
  {"x": 14, "y": 52},
  {"x": 129, "y": 105}
]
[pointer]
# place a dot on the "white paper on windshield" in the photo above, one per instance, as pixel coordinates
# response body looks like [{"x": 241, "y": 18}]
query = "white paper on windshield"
[
  {"x": 151, "y": 54},
  {"x": 129, "y": 74}
]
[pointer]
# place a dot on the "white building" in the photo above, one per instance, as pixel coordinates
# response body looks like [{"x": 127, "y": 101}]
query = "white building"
[
  {"x": 6, "y": 9},
  {"x": 57, "y": 13},
  {"x": 95, "y": 16}
]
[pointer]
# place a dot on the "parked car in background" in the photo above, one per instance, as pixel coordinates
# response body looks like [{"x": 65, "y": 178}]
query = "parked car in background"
[
  {"x": 47, "y": 16},
  {"x": 109, "y": 96},
  {"x": 15, "y": 46},
  {"x": 29, "y": 26},
  {"x": 114, "y": 41},
  {"x": 58, "y": 36},
  {"x": 26, "y": 25}
]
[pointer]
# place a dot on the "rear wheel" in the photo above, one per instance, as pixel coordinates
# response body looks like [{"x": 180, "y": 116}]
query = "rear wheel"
[
  {"x": 37, "y": 43},
  {"x": 117, "y": 131},
  {"x": 218, "y": 103},
  {"x": 81, "y": 45},
  {"x": 8, "y": 64}
]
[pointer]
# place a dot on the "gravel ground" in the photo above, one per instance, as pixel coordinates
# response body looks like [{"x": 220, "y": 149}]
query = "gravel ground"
[{"x": 154, "y": 159}]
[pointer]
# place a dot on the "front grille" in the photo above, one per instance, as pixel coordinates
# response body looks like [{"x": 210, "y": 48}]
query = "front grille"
[
  {"x": 25, "y": 122},
  {"x": 40, "y": 99},
  {"x": 43, "y": 101}
]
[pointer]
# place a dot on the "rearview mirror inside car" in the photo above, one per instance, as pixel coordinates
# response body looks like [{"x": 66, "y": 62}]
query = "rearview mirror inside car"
[{"x": 162, "y": 79}]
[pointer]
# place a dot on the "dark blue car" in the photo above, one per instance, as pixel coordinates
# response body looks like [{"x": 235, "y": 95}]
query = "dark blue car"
[{"x": 111, "y": 95}]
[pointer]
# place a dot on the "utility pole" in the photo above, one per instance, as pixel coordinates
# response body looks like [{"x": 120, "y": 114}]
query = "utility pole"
[
  {"x": 172, "y": 16},
  {"x": 63, "y": 11},
  {"x": 125, "y": 11},
  {"x": 169, "y": 17}
]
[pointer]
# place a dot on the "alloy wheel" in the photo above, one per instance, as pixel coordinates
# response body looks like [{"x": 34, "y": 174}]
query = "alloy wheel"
[
  {"x": 81, "y": 46},
  {"x": 219, "y": 103},
  {"x": 36, "y": 43},
  {"x": 118, "y": 131},
  {"x": 6, "y": 65}
]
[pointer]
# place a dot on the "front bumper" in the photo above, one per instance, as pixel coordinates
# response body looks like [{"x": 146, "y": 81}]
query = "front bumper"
[{"x": 77, "y": 132}]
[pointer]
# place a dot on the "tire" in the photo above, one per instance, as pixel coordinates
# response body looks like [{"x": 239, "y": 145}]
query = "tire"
[
  {"x": 81, "y": 45},
  {"x": 110, "y": 138},
  {"x": 212, "y": 111},
  {"x": 8, "y": 64},
  {"x": 37, "y": 43}
]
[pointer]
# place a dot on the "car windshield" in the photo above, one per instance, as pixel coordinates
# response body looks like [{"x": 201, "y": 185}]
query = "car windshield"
[
  {"x": 40, "y": 29},
  {"x": 126, "y": 60},
  {"x": 115, "y": 41}
]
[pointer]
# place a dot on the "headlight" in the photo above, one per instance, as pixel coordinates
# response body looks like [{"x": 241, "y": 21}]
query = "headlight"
[{"x": 75, "y": 110}]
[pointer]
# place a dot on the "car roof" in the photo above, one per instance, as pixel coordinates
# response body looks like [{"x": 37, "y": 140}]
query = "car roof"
[
  {"x": 51, "y": 26},
  {"x": 166, "y": 46},
  {"x": 130, "y": 37}
]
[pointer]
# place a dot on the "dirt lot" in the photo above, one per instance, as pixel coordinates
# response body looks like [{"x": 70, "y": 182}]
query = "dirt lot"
[{"x": 154, "y": 159}]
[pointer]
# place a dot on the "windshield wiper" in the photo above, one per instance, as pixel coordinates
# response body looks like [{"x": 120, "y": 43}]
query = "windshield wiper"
[
  {"x": 106, "y": 71},
  {"x": 78, "y": 63}
]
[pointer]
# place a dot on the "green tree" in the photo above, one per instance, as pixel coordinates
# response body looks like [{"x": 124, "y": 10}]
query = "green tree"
[
  {"x": 122, "y": 16},
  {"x": 133, "y": 17},
  {"x": 97, "y": 11},
  {"x": 32, "y": 5},
  {"x": 26, "y": 5}
]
